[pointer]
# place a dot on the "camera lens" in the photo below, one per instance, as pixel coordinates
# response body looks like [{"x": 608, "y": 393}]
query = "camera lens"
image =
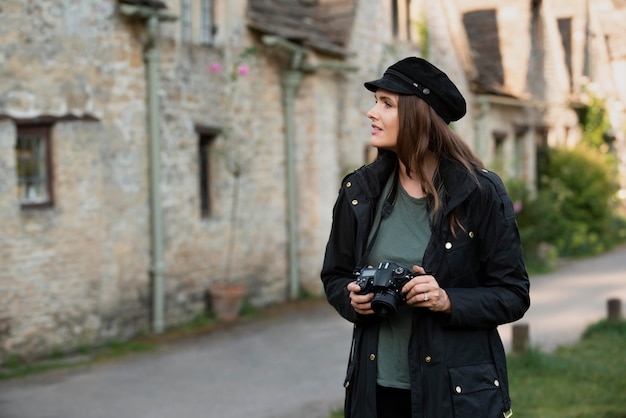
[{"x": 385, "y": 304}]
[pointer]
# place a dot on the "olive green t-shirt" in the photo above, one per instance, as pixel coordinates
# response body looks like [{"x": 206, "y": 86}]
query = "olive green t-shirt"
[{"x": 402, "y": 239}]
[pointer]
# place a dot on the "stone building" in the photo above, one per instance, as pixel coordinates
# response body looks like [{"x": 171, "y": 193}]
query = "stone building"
[
  {"x": 528, "y": 67},
  {"x": 149, "y": 149}
]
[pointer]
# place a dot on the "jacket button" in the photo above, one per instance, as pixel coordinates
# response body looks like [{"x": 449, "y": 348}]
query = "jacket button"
[
  {"x": 428, "y": 359},
  {"x": 471, "y": 234},
  {"x": 346, "y": 385},
  {"x": 448, "y": 245},
  {"x": 457, "y": 389},
  {"x": 495, "y": 382},
  {"x": 355, "y": 202},
  {"x": 349, "y": 184},
  {"x": 372, "y": 357}
]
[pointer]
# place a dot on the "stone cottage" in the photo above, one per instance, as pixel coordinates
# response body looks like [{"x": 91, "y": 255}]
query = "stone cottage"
[{"x": 149, "y": 149}]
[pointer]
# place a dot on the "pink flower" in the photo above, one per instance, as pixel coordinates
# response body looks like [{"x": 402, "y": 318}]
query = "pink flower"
[
  {"x": 214, "y": 67},
  {"x": 243, "y": 70},
  {"x": 517, "y": 206}
]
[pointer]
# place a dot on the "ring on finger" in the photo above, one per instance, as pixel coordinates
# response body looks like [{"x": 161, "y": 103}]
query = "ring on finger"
[{"x": 425, "y": 296}]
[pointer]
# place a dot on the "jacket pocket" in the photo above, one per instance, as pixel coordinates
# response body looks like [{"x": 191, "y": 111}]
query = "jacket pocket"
[{"x": 476, "y": 391}]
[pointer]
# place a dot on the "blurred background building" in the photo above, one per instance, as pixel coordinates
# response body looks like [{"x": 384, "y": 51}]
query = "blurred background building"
[{"x": 149, "y": 149}]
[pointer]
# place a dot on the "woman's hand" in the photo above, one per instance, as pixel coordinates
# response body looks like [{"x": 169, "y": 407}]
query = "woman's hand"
[
  {"x": 424, "y": 292},
  {"x": 362, "y": 304}
]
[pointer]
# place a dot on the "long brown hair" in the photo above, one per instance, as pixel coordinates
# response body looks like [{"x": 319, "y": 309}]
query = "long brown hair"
[{"x": 421, "y": 130}]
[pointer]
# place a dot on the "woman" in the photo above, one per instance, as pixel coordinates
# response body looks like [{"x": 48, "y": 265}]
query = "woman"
[{"x": 426, "y": 204}]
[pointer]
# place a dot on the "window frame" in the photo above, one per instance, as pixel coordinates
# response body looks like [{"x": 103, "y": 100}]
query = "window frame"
[{"x": 44, "y": 133}]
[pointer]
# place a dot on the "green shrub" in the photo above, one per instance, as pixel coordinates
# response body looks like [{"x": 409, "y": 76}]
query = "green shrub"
[
  {"x": 595, "y": 122},
  {"x": 580, "y": 182},
  {"x": 574, "y": 210},
  {"x": 538, "y": 223}
]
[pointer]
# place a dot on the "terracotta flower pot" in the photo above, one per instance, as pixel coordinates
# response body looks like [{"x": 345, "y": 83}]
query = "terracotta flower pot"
[{"x": 226, "y": 300}]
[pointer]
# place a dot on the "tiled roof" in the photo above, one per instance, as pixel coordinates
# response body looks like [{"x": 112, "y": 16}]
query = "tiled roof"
[
  {"x": 482, "y": 32},
  {"x": 325, "y": 25}
]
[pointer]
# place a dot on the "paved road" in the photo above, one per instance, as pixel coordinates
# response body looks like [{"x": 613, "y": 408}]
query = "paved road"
[
  {"x": 289, "y": 365},
  {"x": 565, "y": 302}
]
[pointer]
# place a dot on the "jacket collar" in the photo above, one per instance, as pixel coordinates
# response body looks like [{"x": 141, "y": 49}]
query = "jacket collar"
[
  {"x": 452, "y": 179},
  {"x": 455, "y": 182},
  {"x": 373, "y": 177}
]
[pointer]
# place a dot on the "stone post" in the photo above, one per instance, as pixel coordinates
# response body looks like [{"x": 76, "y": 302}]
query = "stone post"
[
  {"x": 614, "y": 309},
  {"x": 521, "y": 338}
]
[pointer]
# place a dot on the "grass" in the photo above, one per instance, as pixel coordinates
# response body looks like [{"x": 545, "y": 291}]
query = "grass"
[
  {"x": 580, "y": 381},
  {"x": 336, "y": 414},
  {"x": 586, "y": 380}
]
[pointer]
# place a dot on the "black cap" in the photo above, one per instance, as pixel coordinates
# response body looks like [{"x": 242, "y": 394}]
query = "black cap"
[{"x": 417, "y": 76}]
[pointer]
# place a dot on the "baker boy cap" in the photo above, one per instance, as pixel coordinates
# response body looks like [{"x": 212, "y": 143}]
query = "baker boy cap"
[{"x": 414, "y": 75}]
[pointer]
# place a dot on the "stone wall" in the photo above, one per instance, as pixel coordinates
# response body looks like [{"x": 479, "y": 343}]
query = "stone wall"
[{"x": 79, "y": 272}]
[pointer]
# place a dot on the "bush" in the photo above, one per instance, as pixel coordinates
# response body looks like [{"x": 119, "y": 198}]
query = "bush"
[
  {"x": 581, "y": 182},
  {"x": 536, "y": 219},
  {"x": 574, "y": 209}
]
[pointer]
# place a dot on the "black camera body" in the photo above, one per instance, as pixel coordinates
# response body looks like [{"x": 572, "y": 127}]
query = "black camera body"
[{"x": 386, "y": 282}]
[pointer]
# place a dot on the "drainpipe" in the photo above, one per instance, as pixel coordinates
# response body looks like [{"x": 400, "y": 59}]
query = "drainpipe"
[
  {"x": 290, "y": 81},
  {"x": 151, "y": 56},
  {"x": 152, "y": 17}
]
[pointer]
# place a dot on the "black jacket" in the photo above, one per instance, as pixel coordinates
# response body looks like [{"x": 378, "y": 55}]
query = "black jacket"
[{"x": 457, "y": 361}]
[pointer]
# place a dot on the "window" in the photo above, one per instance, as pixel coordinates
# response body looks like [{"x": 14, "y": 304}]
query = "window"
[
  {"x": 205, "y": 143},
  {"x": 521, "y": 159},
  {"x": 565, "y": 28},
  {"x": 394, "y": 18},
  {"x": 197, "y": 24},
  {"x": 541, "y": 148},
  {"x": 34, "y": 165},
  {"x": 185, "y": 20},
  {"x": 208, "y": 24},
  {"x": 401, "y": 19},
  {"x": 499, "y": 138}
]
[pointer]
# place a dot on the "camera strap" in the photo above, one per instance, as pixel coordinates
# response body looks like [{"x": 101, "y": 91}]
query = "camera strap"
[{"x": 381, "y": 213}]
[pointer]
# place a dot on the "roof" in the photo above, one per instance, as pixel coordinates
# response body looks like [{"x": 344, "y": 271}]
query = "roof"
[
  {"x": 323, "y": 25},
  {"x": 481, "y": 27}
]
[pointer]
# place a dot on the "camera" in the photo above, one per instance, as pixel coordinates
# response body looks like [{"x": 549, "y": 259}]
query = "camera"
[{"x": 386, "y": 282}]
